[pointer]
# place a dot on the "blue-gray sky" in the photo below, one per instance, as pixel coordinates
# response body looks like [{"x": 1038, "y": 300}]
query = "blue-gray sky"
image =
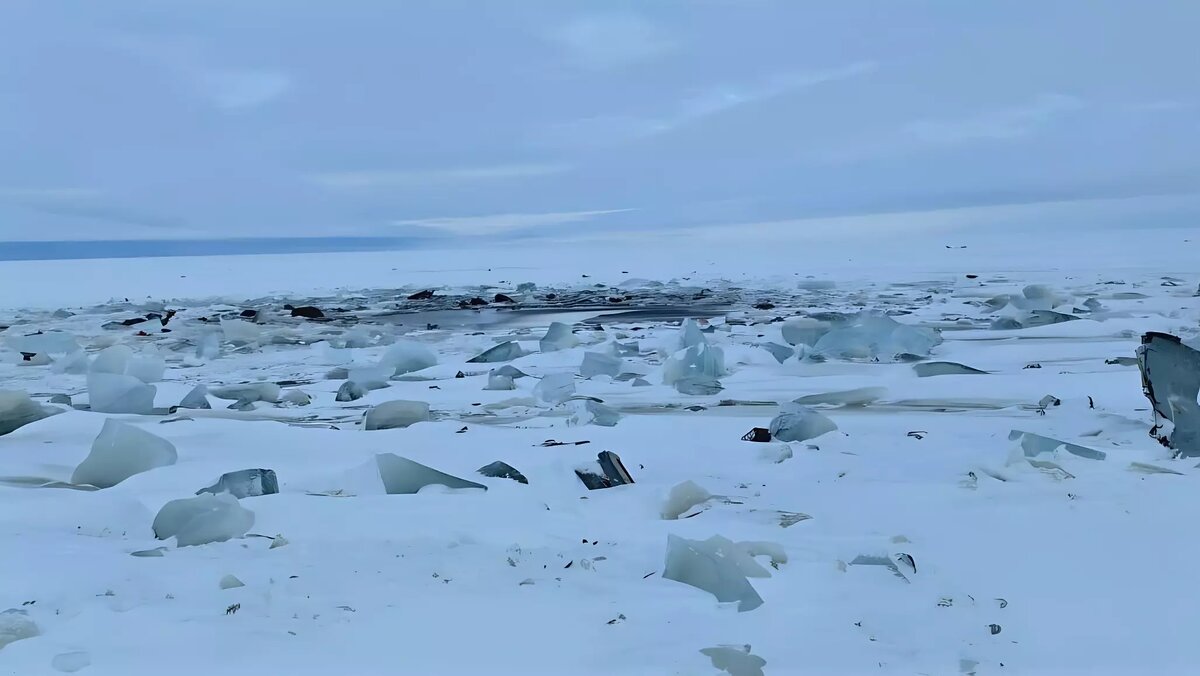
[{"x": 193, "y": 118}]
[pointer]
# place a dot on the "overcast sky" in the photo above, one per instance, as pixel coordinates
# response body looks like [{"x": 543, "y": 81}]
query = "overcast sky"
[{"x": 190, "y": 118}]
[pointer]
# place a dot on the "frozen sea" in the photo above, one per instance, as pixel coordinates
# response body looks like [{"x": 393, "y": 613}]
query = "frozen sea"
[{"x": 917, "y": 537}]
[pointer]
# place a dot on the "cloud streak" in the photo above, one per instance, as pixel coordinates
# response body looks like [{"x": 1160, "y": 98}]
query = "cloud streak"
[{"x": 418, "y": 178}]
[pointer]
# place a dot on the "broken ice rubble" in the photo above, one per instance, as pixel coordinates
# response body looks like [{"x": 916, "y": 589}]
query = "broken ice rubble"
[
  {"x": 394, "y": 414},
  {"x": 862, "y": 336},
  {"x": 18, "y": 410},
  {"x": 735, "y": 660},
  {"x": 407, "y": 356},
  {"x": 594, "y": 413},
  {"x": 202, "y": 519},
  {"x": 717, "y": 566},
  {"x": 248, "y": 393},
  {"x": 857, "y": 397},
  {"x": 114, "y": 393},
  {"x": 47, "y": 342},
  {"x": 350, "y": 391},
  {"x": 698, "y": 386},
  {"x": 75, "y": 363},
  {"x": 370, "y": 377},
  {"x": 800, "y": 424},
  {"x": 1171, "y": 381},
  {"x": 245, "y": 483},
  {"x": 121, "y": 451},
  {"x": 781, "y": 353},
  {"x": 558, "y": 337},
  {"x": 402, "y": 476},
  {"x": 944, "y": 368},
  {"x": 121, "y": 360},
  {"x": 499, "y": 382}
]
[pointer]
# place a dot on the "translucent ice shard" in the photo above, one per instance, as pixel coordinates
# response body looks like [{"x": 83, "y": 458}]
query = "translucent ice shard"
[
  {"x": 735, "y": 660},
  {"x": 701, "y": 564},
  {"x": 690, "y": 335},
  {"x": 350, "y": 391},
  {"x": 18, "y": 410},
  {"x": 121, "y": 451},
  {"x": 15, "y": 625},
  {"x": 594, "y": 413},
  {"x": 113, "y": 359},
  {"x": 245, "y": 483},
  {"x": 499, "y": 382},
  {"x": 944, "y": 368},
  {"x": 506, "y": 351},
  {"x": 296, "y": 398},
  {"x": 698, "y": 386},
  {"x": 558, "y": 337},
  {"x": 371, "y": 377},
  {"x": 555, "y": 388},
  {"x": 402, "y": 476},
  {"x": 800, "y": 424},
  {"x": 699, "y": 361},
  {"x": 208, "y": 347},
  {"x": 781, "y": 353},
  {"x": 857, "y": 397},
  {"x": 599, "y": 364},
  {"x": 230, "y": 582},
  {"x": 43, "y": 342},
  {"x": 113, "y": 393},
  {"x": 407, "y": 356},
  {"x": 1034, "y": 445},
  {"x": 394, "y": 414},
  {"x": 202, "y": 519},
  {"x": 682, "y": 498},
  {"x": 1171, "y": 381},
  {"x": 75, "y": 363},
  {"x": 148, "y": 368},
  {"x": 804, "y": 331},
  {"x": 238, "y": 332},
  {"x": 868, "y": 336},
  {"x": 69, "y": 663}
]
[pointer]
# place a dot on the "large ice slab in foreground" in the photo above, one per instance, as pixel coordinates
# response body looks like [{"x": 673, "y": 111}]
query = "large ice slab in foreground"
[
  {"x": 715, "y": 565},
  {"x": 118, "y": 393},
  {"x": 121, "y": 451},
  {"x": 202, "y": 519},
  {"x": 1171, "y": 381}
]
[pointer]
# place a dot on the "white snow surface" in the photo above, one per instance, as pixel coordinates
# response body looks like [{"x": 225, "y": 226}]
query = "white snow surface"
[{"x": 1084, "y": 565}]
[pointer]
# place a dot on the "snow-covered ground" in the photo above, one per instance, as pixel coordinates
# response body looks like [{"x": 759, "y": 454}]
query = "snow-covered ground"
[{"x": 998, "y": 565}]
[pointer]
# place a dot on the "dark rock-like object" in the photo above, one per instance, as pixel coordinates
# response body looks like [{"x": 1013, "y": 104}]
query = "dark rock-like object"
[
  {"x": 613, "y": 473},
  {"x": 1171, "y": 380},
  {"x": 308, "y": 312},
  {"x": 759, "y": 434},
  {"x": 246, "y": 483},
  {"x": 502, "y": 298},
  {"x": 422, "y": 295},
  {"x": 350, "y": 391},
  {"x": 502, "y": 470}
]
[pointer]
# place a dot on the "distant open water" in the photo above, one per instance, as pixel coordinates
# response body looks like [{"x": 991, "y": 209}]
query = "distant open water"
[{"x": 150, "y": 248}]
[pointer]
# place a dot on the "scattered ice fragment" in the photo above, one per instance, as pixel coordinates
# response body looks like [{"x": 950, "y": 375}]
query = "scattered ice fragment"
[
  {"x": 121, "y": 451},
  {"x": 148, "y": 368},
  {"x": 350, "y": 391},
  {"x": 208, "y": 347},
  {"x": 506, "y": 351},
  {"x": 699, "y": 361},
  {"x": 775, "y": 452},
  {"x": 278, "y": 541},
  {"x": 944, "y": 368},
  {"x": 1151, "y": 469},
  {"x": 371, "y": 377},
  {"x": 196, "y": 399},
  {"x": 804, "y": 331},
  {"x": 612, "y": 472},
  {"x": 510, "y": 371},
  {"x": 296, "y": 397},
  {"x": 558, "y": 337},
  {"x": 781, "y": 353},
  {"x": 245, "y": 483},
  {"x": 697, "y": 386},
  {"x": 1032, "y": 319},
  {"x": 682, "y": 498},
  {"x": 640, "y": 382},
  {"x": 599, "y": 364},
  {"x": 857, "y": 397},
  {"x": 1171, "y": 381},
  {"x": 118, "y": 393},
  {"x": 735, "y": 660},
  {"x": 499, "y": 382},
  {"x": 702, "y": 564},
  {"x": 202, "y": 519},
  {"x": 627, "y": 349},
  {"x": 150, "y": 553},
  {"x": 402, "y": 476},
  {"x": 595, "y": 413},
  {"x": 393, "y": 414},
  {"x": 69, "y": 663},
  {"x": 238, "y": 332},
  {"x": 1035, "y": 444},
  {"x": 407, "y": 356},
  {"x": 883, "y": 561},
  {"x": 690, "y": 335},
  {"x": 248, "y": 392},
  {"x": 113, "y": 359},
  {"x": 64, "y": 399},
  {"x": 230, "y": 582},
  {"x": 75, "y": 363},
  {"x": 502, "y": 470},
  {"x": 337, "y": 373},
  {"x": 1049, "y": 401},
  {"x": 18, "y": 410},
  {"x": 868, "y": 336},
  {"x": 801, "y": 424},
  {"x": 15, "y": 625},
  {"x": 555, "y": 388}
]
